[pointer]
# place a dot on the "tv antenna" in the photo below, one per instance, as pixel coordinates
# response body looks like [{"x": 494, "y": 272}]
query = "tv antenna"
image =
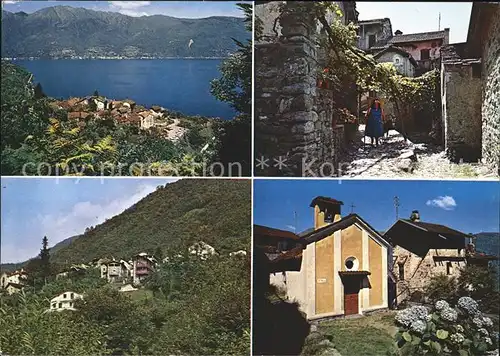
[
  {"x": 396, "y": 206},
  {"x": 439, "y": 22},
  {"x": 352, "y": 207}
]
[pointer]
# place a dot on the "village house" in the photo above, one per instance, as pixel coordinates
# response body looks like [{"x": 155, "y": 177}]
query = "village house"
[
  {"x": 403, "y": 61},
  {"x": 424, "y": 47},
  {"x": 470, "y": 87},
  {"x": 340, "y": 268},
  {"x": 374, "y": 33},
  {"x": 143, "y": 265},
  {"x": 64, "y": 301},
  {"x": 422, "y": 250},
  {"x": 78, "y": 269},
  {"x": 13, "y": 282},
  {"x": 202, "y": 249},
  {"x": 116, "y": 271}
]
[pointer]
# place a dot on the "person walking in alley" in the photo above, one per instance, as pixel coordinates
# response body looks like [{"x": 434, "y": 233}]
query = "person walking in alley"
[{"x": 375, "y": 118}]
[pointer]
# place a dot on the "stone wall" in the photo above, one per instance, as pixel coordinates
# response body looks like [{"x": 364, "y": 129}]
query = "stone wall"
[
  {"x": 491, "y": 94},
  {"x": 462, "y": 119},
  {"x": 418, "y": 271},
  {"x": 293, "y": 117}
]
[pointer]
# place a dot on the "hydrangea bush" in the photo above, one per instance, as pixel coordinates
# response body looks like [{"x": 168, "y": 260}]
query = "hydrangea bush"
[{"x": 445, "y": 330}]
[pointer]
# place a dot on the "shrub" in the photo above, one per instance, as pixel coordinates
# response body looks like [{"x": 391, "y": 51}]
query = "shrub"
[{"x": 461, "y": 330}]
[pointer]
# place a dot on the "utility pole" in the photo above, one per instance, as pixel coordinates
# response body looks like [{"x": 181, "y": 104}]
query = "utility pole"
[
  {"x": 295, "y": 221},
  {"x": 396, "y": 206},
  {"x": 439, "y": 22}
]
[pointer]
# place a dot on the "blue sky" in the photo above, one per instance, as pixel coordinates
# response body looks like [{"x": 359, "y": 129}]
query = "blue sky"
[
  {"x": 412, "y": 17},
  {"x": 61, "y": 208},
  {"x": 183, "y": 9},
  {"x": 470, "y": 207}
]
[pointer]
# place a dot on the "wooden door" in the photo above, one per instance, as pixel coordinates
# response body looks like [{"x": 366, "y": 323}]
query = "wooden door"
[{"x": 351, "y": 298}]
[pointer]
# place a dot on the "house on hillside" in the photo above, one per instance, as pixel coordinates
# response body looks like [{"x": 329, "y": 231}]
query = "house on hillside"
[
  {"x": 143, "y": 265},
  {"x": 202, "y": 249},
  {"x": 422, "y": 250},
  {"x": 469, "y": 90},
  {"x": 13, "y": 282},
  {"x": 340, "y": 267},
  {"x": 116, "y": 271},
  {"x": 64, "y": 301}
]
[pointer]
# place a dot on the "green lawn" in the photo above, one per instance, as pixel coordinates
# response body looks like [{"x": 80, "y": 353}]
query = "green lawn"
[{"x": 366, "y": 336}]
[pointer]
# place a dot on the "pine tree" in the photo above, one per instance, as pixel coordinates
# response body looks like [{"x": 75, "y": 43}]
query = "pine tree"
[{"x": 45, "y": 258}]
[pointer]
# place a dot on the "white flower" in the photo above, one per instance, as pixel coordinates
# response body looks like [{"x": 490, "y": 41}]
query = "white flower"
[
  {"x": 487, "y": 322},
  {"x": 457, "y": 338},
  {"x": 428, "y": 318},
  {"x": 418, "y": 326},
  {"x": 488, "y": 341},
  {"x": 460, "y": 328},
  {"x": 477, "y": 321},
  {"x": 420, "y": 312},
  {"x": 442, "y": 304},
  {"x": 469, "y": 305},
  {"x": 483, "y": 331},
  {"x": 449, "y": 314}
]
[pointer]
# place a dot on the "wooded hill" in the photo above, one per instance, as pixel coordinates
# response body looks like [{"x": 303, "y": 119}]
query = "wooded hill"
[
  {"x": 173, "y": 217},
  {"x": 65, "y": 31},
  {"x": 216, "y": 211}
]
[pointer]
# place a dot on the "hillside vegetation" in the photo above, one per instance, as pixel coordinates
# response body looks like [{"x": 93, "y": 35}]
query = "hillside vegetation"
[
  {"x": 33, "y": 131},
  {"x": 173, "y": 217},
  {"x": 65, "y": 31}
]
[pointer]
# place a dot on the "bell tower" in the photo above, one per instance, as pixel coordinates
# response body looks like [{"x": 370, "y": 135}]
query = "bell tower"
[{"x": 326, "y": 211}]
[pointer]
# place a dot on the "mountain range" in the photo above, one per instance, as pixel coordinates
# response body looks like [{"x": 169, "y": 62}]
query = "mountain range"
[
  {"x": 71, "y": 32},
  {"x": 215, "y": 211}
]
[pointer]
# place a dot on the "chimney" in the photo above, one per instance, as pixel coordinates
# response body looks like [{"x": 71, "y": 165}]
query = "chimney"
[
  {"x": 446, "y": 40},
  {"x": 326, "y": 211},
  {"x": 415, "y": 216},
  {"x": 398, "y": 32}
]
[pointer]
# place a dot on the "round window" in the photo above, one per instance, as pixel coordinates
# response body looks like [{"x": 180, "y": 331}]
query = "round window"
[{"x": 351, "y": 264}]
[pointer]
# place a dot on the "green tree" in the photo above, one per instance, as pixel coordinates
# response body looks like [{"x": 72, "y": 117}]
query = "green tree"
[
  {"x": 441, "y": 287},
  {"x": 480, "y": 283},
  {"x": 235, "y": 88},
  {"x": 96, "y": 93},
  {"x": 45, "y": 258}
]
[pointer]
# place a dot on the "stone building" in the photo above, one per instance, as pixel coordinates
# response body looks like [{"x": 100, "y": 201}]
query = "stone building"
[
  {"x": 116, "y": 271},
  {"x": 294, "y": 116},
  {"x": 340, "y": 268},
  {"x": 470, "y": 75},
  {"x": 422, "y": 250},
  {"x": 374, "y": 33},
  {"x": 404, "y": 63}
]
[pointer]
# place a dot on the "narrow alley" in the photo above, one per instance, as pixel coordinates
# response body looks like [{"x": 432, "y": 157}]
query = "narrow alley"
[{"x": 395, "y": 158}]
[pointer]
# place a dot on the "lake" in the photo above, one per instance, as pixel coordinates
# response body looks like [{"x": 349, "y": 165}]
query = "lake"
[{"x": 176, "y": 84}]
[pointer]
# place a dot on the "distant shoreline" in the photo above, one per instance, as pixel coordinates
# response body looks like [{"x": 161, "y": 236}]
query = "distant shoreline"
[{"x": 105, "y": 58}]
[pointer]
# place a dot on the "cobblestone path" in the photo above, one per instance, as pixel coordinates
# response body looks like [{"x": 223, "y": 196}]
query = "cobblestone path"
[{"x": 397, "y": 158}]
